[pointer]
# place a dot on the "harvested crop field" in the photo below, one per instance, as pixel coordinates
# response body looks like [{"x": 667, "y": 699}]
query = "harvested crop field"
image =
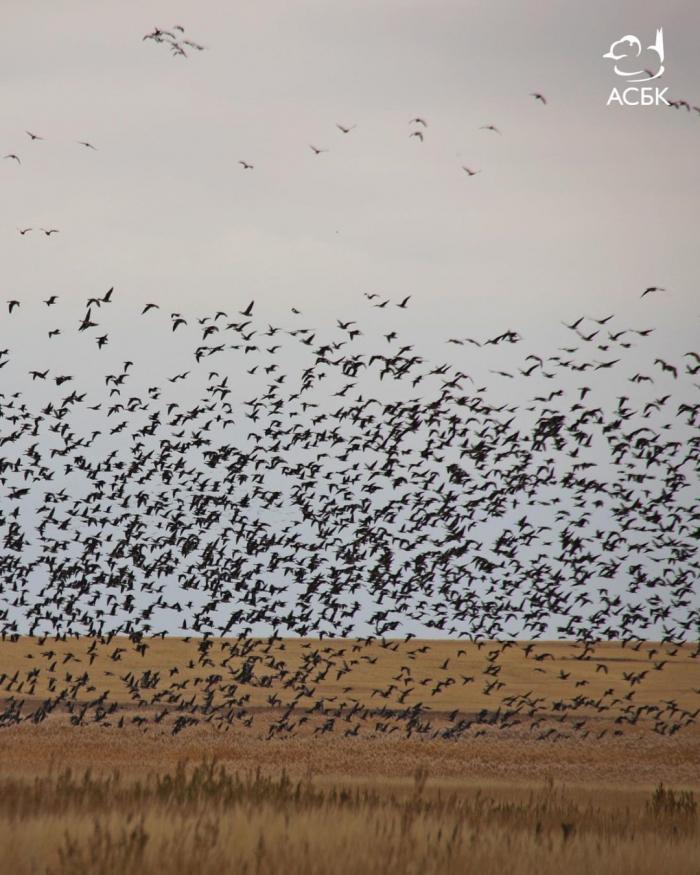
[
  {"x": 127, "y": 793},
  {"x": 549, "y": 689}
]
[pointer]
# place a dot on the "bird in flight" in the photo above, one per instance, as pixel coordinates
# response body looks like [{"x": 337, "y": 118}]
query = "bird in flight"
[
  {"x": 665, "y": 366},
  {"x": 87, "y": 145},
  {"x": 248, "y": 310},
  {"x": 33, "y": 136},
  {"x": 538, "y": 96},
  {"x": 50, "y": 231},
  {"x": 344, "y": 129},
  {"x": 97, "y": 302},
  {"x": 51, "y": 300},
  {"x": 418, "y": 134},
  {"x": 316, "y": 150},
  {"x": 404, "y": 302},
  {"x": 87, "y": 322},
  {"x": 13, "y": 156},
  {"x": 24, "y": 231},
  {"x": 11, "y": 305},
  {"x": 159, "y": 34},
  {"x": 490, "y": 128},
  {"x": 246, "y": 166},
  {"x": 149, "y": 307},
  {"x": 419, "y": 121},
  {"x": 469, "y": 171},
  {"x": 651, "y": 289}
]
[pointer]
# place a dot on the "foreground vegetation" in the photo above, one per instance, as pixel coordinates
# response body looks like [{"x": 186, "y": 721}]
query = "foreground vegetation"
[
  {"x": 94, "y": 788},
  {"x": 207, "y": 819}
]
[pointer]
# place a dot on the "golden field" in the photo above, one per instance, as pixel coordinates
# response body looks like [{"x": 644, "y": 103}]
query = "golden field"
[
  {"x": 256, "y": 678},
  {"x": 123, "y": 794}
]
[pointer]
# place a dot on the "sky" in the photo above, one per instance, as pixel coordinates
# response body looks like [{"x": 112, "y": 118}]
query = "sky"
[{"x": 576, "y": 207}]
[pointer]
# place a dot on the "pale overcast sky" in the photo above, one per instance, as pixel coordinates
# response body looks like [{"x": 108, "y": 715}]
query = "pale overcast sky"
[{"x": 577, "y": 207}]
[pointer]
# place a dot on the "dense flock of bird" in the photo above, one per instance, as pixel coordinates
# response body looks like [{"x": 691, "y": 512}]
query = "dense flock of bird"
[{"x": 290, "y": 480}]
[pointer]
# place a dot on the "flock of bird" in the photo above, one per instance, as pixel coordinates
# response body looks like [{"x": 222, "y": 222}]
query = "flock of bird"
[
  {"x": 288, "y": 480},
  {"x": 174, "y": 39},
  {"x": 318, "y": 504},
  {"x": 13, "y": 156}
]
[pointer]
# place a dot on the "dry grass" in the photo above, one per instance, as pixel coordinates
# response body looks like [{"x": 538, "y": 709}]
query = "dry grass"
[
  {"x": 494, "y": 759},
  {"x": 106, "y": 796},
  {"x": 207, "y": 819}
]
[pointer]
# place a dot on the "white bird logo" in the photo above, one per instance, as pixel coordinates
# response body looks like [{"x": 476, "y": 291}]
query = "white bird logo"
[{"x": 634, "y": 51}]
